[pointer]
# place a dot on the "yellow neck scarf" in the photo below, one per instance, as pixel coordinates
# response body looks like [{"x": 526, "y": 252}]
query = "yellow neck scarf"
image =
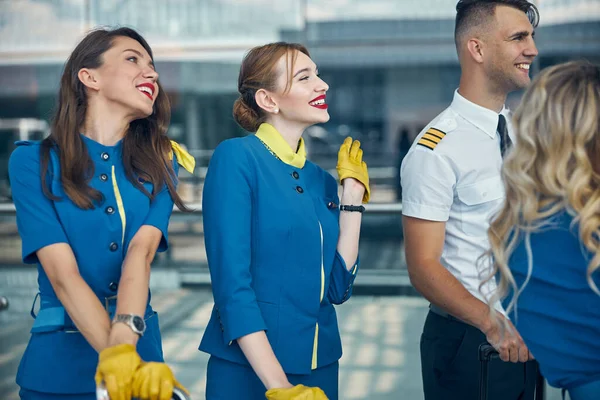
[
  {"x": 280, "y": 148},
  {"x": 185, "y": 159}
]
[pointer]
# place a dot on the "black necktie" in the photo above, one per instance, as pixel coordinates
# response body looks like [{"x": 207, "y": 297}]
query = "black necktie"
[{"x": 505, "y": 141}]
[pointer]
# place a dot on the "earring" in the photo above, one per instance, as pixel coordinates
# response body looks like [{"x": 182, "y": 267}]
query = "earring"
[{"x": 276, "y": 110}]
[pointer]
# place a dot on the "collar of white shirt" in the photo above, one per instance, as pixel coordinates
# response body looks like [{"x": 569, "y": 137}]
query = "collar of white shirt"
[{"x": 483, "y": 118}]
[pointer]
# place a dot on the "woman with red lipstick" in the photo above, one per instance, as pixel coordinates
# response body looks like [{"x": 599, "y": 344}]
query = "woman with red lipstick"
[
  {"x": 93, "y": 204},
  {"x": 282, "y": 249}
]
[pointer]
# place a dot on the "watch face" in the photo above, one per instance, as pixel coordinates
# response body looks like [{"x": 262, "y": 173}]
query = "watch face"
[{"x": 139, "y": 324}]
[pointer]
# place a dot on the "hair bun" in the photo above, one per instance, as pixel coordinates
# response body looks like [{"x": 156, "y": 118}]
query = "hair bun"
[{"x": 245, "y": 116}]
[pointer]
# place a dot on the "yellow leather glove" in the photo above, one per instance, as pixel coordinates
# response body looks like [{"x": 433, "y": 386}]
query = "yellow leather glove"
[
  {"x": 116, "y": 367},
  {"x": 155, "y": 381},
  {"x": 351, "y": 165},
  {"x": 298, "y": 392}
]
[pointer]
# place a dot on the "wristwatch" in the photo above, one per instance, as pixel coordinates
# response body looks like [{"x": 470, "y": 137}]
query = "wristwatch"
[
  {"x": 359, "y": 209},
  {"x": 135, "y": 322}
]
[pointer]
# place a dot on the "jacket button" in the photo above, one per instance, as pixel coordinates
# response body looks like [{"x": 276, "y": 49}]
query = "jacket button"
[
  {"x": 113, "y": 286},
  {"x": 103, "y": 177},
  {"x": 296, "y": 175},
  {"x": 109, "y": 210},
  {"x": 113, "y": 246},
  {"x": 299, "y": 189},
  {"x": 105, "y": 156}
]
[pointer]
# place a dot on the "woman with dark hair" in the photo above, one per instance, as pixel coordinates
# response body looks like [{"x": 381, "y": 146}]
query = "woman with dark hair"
[
  {"x": 281, "y": 248},
  {"x": 93, "y": 204}
]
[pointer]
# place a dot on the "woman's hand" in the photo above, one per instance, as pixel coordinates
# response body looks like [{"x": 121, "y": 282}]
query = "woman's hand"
[
  {"x": 116, "y": 368},
  {"x": 155, "y": 381},
  {"x": 298, "y": 392},
  {"x": 352, "y": 170}
]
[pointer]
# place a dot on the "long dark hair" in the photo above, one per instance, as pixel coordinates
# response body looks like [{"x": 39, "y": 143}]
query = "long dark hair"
[{"x": 146, "y": 147}]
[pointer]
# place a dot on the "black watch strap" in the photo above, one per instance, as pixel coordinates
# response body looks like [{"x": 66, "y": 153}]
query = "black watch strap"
[{"x": 359, "y": 209}]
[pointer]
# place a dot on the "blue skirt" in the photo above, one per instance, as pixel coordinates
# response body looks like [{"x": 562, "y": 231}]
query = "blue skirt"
[
  {"x": 230, "y": 381},
  {"x": 588, "y": 391}
]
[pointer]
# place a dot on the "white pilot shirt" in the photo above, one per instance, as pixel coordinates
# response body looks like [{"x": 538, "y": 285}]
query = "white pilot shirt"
[{"x": 452, "y": 173}]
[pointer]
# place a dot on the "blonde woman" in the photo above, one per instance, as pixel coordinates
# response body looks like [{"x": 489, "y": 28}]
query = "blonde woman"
[{"x": 546, "y": 239}]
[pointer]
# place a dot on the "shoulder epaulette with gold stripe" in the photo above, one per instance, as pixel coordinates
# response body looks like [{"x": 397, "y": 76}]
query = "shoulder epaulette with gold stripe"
[{"x": 431, "y": 138}]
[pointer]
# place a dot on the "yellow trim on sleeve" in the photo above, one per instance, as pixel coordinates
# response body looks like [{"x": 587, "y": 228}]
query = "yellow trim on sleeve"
[
  {"x": 185, "y": 159},
  {"x": 120, "y": 205}
]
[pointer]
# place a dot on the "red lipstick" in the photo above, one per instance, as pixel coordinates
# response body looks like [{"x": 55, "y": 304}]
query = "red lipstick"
[
  {"x": 319, "y": 102},
  {"x": 148, "y": 89}
]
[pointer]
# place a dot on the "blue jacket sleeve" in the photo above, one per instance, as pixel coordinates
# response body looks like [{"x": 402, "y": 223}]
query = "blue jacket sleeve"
[
  {"x": 227, "y": 211},
  {"x": 37, "y": 220},
  {"x": 342, "y": 280},
  {"x": 160, "y": 211}
]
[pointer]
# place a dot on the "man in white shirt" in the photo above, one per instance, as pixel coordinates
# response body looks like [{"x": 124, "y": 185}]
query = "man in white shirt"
[{"x": 451, "y": 187}]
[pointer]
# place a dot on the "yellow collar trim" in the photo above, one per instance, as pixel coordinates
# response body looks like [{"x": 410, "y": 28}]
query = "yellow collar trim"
[
  {"x": 280, "y": 148},
  {"x": 185, "y": 159}
]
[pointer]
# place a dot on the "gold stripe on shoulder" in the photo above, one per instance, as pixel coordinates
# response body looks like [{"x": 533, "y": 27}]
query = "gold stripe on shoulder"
[
  {"x": 431, "y": 138},
  {"x": 436, "y": 132},
  {"x": 426, "y": 143}
]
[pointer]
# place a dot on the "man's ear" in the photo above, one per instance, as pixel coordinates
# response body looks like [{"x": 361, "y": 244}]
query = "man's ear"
[
  {"x": 265, "y": 100},
  {"x": 475, "y": 49},
  {"x": 88, "y": 78}
]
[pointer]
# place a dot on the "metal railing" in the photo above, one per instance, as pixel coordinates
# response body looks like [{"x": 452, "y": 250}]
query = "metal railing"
[
  {"x": 381, "y": 248},
  {"x": 8, "y": 209}
]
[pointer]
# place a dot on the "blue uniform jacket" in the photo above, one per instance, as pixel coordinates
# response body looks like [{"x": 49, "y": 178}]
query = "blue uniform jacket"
[
  {"x": 58, "y": 359},
  {"x": 271, "y": 233},
  {"x": 557, "y": 312}
]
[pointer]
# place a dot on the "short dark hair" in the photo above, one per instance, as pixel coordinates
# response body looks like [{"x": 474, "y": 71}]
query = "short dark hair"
[{"x": 470, "y": 13}]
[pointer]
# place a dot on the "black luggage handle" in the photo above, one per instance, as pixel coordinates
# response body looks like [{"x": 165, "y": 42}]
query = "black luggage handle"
[{"x": 487, "y": 353}]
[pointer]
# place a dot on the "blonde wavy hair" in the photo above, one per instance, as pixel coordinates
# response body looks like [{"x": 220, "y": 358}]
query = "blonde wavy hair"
[{"x": 554, "y": 166}]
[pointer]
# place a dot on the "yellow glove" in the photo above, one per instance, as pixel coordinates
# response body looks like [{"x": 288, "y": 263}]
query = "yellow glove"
[
  {"x": 351, "y": 165},
  {"x": 116, "y": 366},
  {"x": 155, "y": 381},
  {"x": 298, "y": 392}
]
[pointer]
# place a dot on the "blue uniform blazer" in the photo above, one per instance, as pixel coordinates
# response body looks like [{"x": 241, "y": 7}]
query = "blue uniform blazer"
[
  {"x": 271, "y": 232},
  {"x": 558, "y": 313},
  {"x": 58, "y": 359}
]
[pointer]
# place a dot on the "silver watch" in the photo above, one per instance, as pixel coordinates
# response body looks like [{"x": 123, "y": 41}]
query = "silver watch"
[{"x": 135, "y": 322}]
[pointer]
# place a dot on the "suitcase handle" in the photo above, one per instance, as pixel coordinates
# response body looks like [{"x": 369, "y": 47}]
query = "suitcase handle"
[
  {"x": 102, "y": 394},
  {"x": 487, "y": 353}
]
